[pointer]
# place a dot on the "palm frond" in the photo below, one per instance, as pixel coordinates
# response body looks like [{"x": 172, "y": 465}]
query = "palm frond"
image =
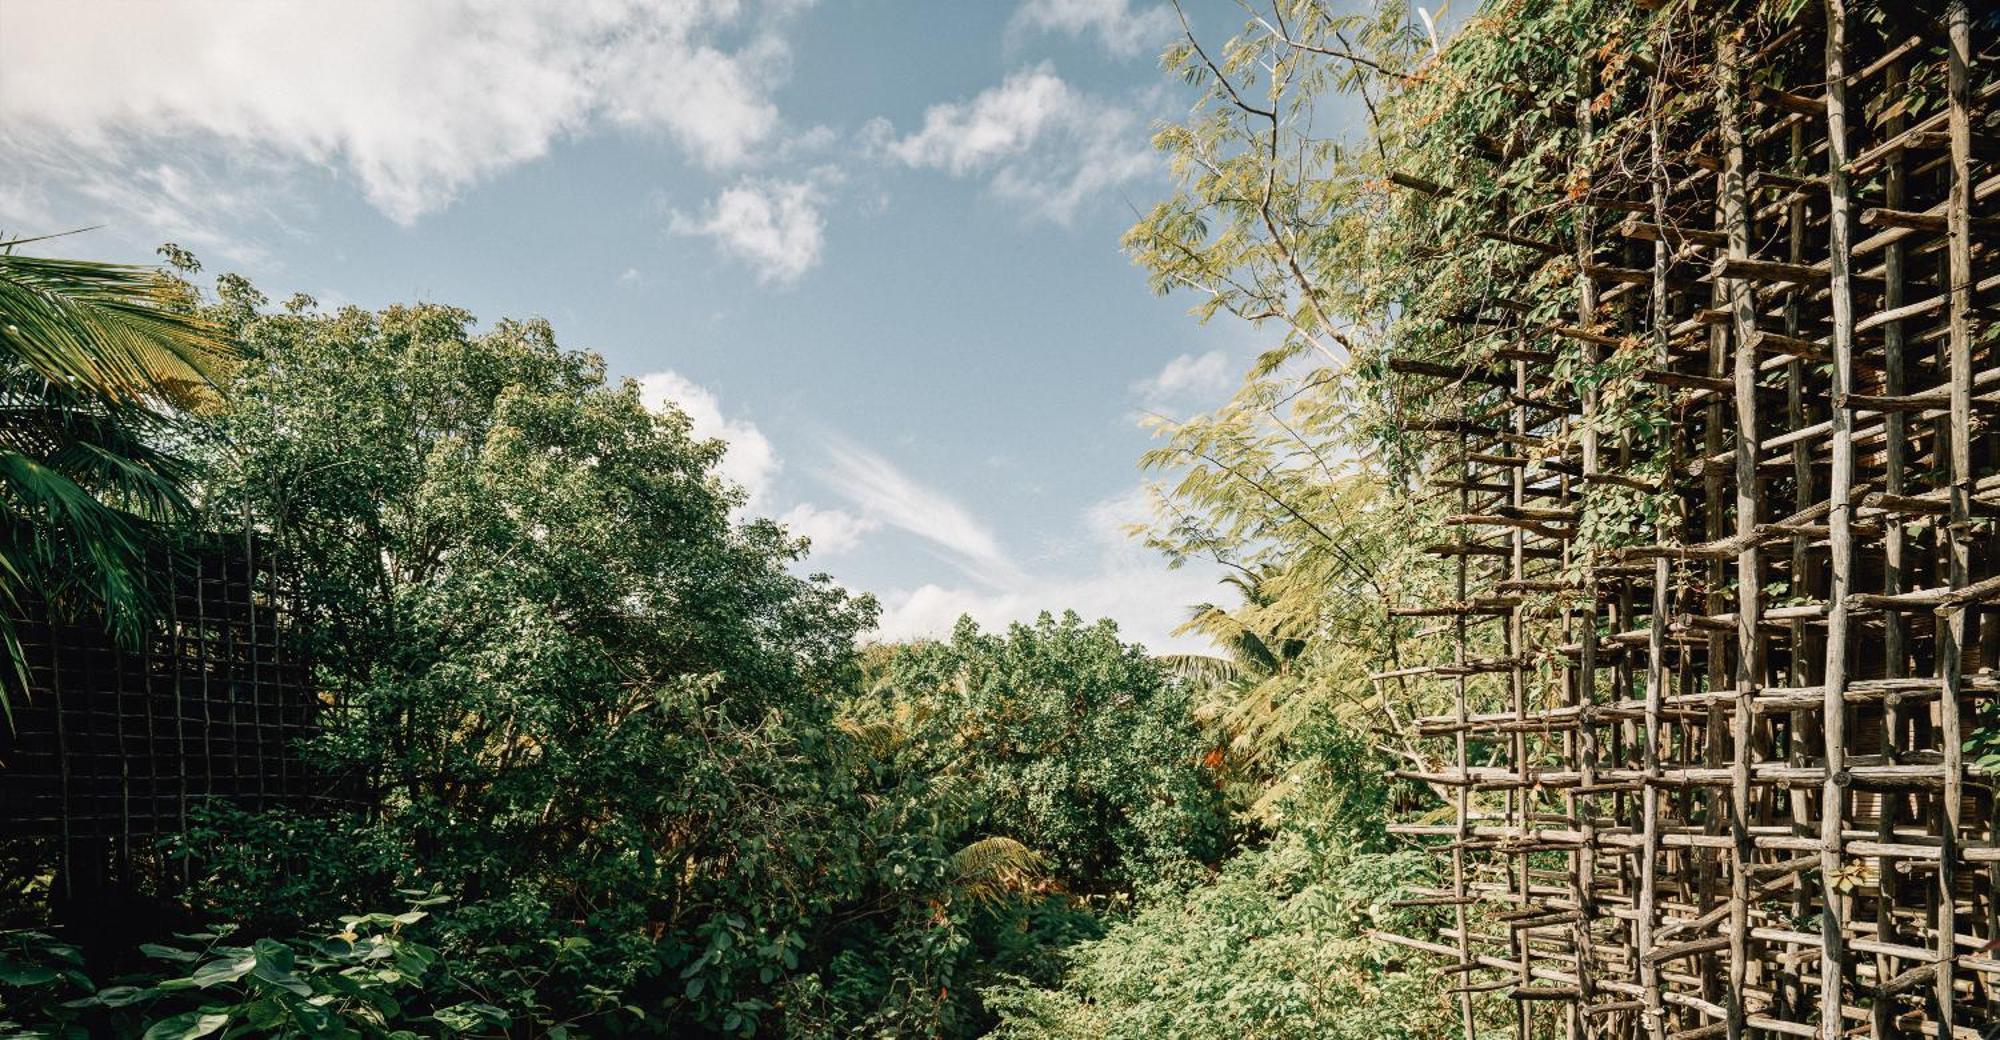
[
  {"x": 114, "y": 330},
  {"x": 992, "y": 869},
  {"x": 97, "y": 363},
  {"x": 1206, "y": 669}
]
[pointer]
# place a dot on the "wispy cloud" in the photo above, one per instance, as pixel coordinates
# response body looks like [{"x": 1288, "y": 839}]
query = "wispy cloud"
[
  {"x": 1110, "y": 575},
  {"x": 886, "y": 495},
  {"x": 831, "y": 531},
  {"x": 1187, "y": 378},
  {"x": 1107, "y": 575},
  {"x": 1119, "y": 29},
  {"x": 414, "y": 101},
  {"x": 1043, "y": 143},
  {"x": 774, "y": 226}
]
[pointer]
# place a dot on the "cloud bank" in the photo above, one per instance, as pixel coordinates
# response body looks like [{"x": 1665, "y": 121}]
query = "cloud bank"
[{"x": 414, "y": 101}]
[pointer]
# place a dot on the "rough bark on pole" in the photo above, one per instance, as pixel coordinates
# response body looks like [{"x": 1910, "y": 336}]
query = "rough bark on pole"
[
  {"x": 1840, "y": 537},
  {"x": 1585, "y": 868},
  {"x": 1517, "y": 692},
  {"x": 1462, "y": 794},
  {"x": 1654, "y": 1015},
  {"x": 1743, "y": 313},
  {"x": 1894, "y": 637},
  {"x": 1951, "y": 633}
]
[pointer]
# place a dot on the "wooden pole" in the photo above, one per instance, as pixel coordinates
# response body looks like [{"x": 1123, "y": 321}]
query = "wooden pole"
[
  {"x": 1840, "y": 537},
  {"x": 1654, "y": 1015},
  {"x": 1743, "y": 313},
  {"x": 1951, "y": 633}
]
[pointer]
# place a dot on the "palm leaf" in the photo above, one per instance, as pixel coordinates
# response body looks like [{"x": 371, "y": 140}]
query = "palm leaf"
[
  {"x": 114, "y": 330},
  {"x": 1206, "y": 669},
  {"x": 97, "y": 360},
  {"x": 992, "y": 869}
]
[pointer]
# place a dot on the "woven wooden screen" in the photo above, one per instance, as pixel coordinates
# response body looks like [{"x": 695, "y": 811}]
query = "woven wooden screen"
[
  {"x": 1714, "y": 785},
  {"x": 116, "y": 742}
]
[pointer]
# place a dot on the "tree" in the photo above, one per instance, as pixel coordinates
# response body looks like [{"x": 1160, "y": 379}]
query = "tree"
[
  {"x": 577, "y": 694},
  {"x": 1073, "y": 743},
  {"x": 98, "y": 364}
]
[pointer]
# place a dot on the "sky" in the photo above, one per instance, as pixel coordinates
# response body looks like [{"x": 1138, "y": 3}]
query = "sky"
[{"x": 872, "y": 244}]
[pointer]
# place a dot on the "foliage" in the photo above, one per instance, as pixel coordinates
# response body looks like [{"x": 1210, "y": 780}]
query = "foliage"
[
  {"x": 367, "y": 978},
  {"x": 584, "y": 698},
  {"x": 96, "y": 360},
  {"x": 1019, "y": 786},
  {"x": 1277, "y": 945},
  {"x": 1070, "y": 742}
]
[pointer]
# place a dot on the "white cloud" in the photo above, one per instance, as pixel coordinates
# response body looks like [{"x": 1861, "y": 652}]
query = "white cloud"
[
  {"x": 886, "y": 495},
  {"x": 774, "y": 226},
  {"x": 1003, "y": 121},
  {"x": 1188, "y": 377},
  {"x": 1109, "y": 575},
  {"x": 751, "y": 462},
  {"x": 1119, "y": 29},
  {"x": 1045, "y": 144},
  {"x": 414, "y": 101},
  {"x": 1116, "y": 578},
  {"x": 832, "y": 531}
]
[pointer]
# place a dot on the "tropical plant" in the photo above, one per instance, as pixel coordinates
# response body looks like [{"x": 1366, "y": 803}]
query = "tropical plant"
[
  {"x": 1276, "y": 945},
  {"x": 98, "y": 363},
  {"x": 1073, "y": 743},
  {"x": 363, "y": 977}
]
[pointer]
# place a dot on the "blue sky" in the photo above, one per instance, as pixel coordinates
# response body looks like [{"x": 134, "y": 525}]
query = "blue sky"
[{"x": 874, "y": 244}]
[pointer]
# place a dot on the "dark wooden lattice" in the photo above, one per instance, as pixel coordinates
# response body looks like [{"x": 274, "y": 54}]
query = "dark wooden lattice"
[
  {"x": 116, "y": 742},
  {"x": 1715, "y": 785}
]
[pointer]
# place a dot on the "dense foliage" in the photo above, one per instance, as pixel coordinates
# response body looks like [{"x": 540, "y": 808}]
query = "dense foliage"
[
  {"x": 1066, "y": 740},
  {"x": 617, "y": 742}
]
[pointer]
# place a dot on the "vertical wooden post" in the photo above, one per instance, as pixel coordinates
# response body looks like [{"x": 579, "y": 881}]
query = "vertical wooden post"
[
  {"x": 1585, "y": 867},
  {"x": 1833, "y": 940},
  {"x": 1522, "y": 795},
  {"x": 1743, "y": 315},
  {"x": 1951, "y": 633},
  {"x": 1656, "y": 629},
  {"x": 1462, "y": 802},
  {"x": 1895, "y": 639}
]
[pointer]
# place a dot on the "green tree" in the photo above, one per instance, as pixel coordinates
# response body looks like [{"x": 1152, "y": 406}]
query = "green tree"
[
  {"x": 580, "y": 696},
  {"x": 1077, "y": 745}
]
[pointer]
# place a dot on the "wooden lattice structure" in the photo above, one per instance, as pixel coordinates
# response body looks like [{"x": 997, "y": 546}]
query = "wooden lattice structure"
[
  {"x": 1714, "y": 784},
  {"x": 116, "y": 742}
]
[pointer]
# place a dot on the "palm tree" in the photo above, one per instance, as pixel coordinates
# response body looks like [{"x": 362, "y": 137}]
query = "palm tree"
[
  {"x": 1251, "y": 650},
  {"x": 99, "y": 365}
]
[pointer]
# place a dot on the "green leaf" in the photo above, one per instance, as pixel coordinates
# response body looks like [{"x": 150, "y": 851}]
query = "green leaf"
[
  {"x": 187, "y": 1025},
  {"x": 28, "y": 974},
  {"x": 168, "y": 953},
  {"x": 224, "y": 970}
]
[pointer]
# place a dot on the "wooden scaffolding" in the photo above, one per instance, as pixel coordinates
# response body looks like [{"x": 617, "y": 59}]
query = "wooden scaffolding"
[{"x": 1714, "y": 783}]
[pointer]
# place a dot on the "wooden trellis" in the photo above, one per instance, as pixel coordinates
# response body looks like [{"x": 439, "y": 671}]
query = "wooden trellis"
[
  {"x": 113, "y": 743},
  {"x": 1714, "y": 785}
]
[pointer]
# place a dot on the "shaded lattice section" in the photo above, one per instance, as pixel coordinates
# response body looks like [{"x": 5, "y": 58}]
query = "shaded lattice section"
[{"x": 114, "y": 741}]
